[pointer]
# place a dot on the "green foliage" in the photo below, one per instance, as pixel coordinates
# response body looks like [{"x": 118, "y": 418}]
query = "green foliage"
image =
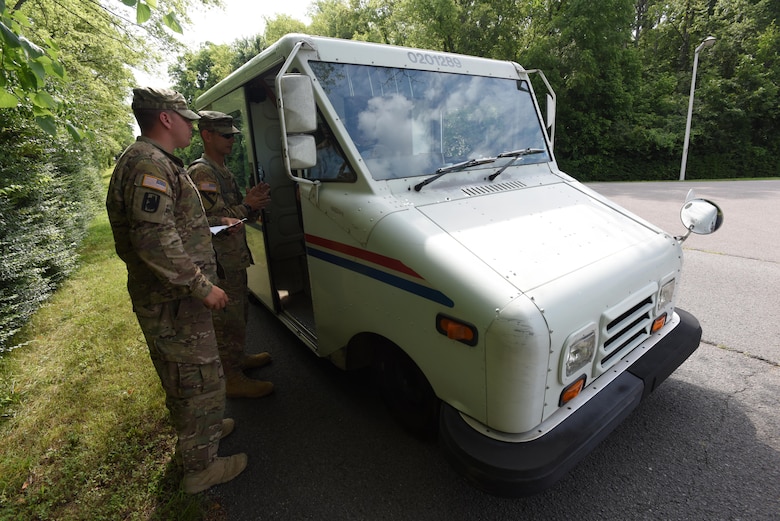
[
  {"x": 280, "y": 26},
  {"x": 738, "y": 111},
  {"x": 46, "y": 199},
  {"x": 30, "y": 65},
  {"x": 486, "y": 28},
  {"x": 197, "y": 71},
  {"x": 245, "y": 49},
  {"x": 25, "y": 67},
  {"x": 585, "y": 49},
  {"x": 366, "y": 20}
]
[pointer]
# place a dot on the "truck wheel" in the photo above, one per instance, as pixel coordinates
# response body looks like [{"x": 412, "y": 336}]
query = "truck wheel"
[{"x": 407, "y": 393}]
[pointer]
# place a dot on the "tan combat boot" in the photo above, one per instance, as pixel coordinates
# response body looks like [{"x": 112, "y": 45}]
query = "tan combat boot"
[
  {"x": 228, "y": 424},
  {"x": 237, "y": 385},
  {"x": 254, "y": 361},
  {"x": 221, "y": 470}
]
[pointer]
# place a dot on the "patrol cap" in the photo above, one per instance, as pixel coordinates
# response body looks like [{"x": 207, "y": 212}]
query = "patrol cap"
[
  {"x": 216, "y": 122},
  {"x": 162, "y": 99}
]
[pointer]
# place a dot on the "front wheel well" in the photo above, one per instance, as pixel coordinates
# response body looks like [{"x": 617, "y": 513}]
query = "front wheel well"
[{"x": 405, "y": 389}]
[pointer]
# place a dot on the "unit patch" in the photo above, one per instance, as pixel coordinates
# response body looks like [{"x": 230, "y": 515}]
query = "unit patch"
[
  {"x": 151, "y": 202},
  {"x": 155, "y": 183}
]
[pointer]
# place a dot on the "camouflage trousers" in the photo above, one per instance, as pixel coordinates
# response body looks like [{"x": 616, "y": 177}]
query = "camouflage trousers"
[
  {"x": 183, "y": 350},
  {"x": 230, "y": 323}
]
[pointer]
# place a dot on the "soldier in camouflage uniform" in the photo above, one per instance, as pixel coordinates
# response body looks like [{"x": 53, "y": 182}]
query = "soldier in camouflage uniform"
[
  {"x": 222, "y": 199},
  {"x": 162, "y": 235}
]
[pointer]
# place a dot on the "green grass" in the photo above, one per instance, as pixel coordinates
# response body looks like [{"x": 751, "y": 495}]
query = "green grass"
[{"x": 84, "y": 428}]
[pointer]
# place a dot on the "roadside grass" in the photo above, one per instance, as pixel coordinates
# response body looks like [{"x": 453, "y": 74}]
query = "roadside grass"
[{"x": 84, "y": 429}]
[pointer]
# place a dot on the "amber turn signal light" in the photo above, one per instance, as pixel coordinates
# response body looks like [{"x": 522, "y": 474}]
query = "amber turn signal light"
[
  {"x": 572, "y": 390},
  {"x": 658, "y": 323},
  {"x": 456, "y": 329}
]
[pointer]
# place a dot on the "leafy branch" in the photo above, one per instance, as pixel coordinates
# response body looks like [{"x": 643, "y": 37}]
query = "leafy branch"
[{"x": 25, "y": 65}]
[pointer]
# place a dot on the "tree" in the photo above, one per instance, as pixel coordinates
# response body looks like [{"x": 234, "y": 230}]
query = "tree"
[
  {"x": 487, "y": 28},
  {"x": 277, "y": 27},
  {"x": 735, "y": 119},
  {"x": 197, "y": 71},
  {"x": 366, "y": 20},
  {"x": 31, "y": 54},
  {"x": 586, "y": 51},
  {"x": 25, "y": 67},
  {"x": 738, "y": 115},
  {"x": 247, "y": 48}
]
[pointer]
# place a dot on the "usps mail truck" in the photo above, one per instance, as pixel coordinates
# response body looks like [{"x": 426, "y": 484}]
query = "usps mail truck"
[{"x": 420, "y": 226}]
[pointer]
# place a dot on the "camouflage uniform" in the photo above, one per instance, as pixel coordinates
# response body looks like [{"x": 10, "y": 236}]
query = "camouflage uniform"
[
  {"x": 222, "y": 198},
  {"x": 161, "y": 233}
]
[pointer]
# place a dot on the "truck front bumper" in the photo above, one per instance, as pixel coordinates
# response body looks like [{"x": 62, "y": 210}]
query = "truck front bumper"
[{"x": 521, "y": 469}]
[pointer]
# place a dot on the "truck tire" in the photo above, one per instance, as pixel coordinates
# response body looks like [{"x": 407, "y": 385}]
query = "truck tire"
[{"x": 407, "y": 393}]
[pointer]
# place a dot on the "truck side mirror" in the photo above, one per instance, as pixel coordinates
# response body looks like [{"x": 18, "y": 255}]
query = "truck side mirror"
[
  {"x": 700, "y": 216},
  {"x": 300, "y": 120}
]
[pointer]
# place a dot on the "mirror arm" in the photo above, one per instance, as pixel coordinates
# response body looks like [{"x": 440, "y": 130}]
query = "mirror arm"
[
  {"x": 313, "y": 187},
  {"x": 681, "y": 238},
  {"x": 552, "y": 105}
]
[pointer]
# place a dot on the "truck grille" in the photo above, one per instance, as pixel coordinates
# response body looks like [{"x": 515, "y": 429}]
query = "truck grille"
[{"x": 623, "y": 328}]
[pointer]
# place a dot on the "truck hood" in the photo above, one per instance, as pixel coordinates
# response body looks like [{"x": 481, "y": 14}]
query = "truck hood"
[{"x": 535, "y": 235}]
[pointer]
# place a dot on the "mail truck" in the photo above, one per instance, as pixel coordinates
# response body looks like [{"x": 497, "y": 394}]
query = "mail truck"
[{"x": 420, "y": 227}]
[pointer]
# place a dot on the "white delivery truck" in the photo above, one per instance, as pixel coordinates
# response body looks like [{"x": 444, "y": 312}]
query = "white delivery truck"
[{"x": 419, "y": 224}]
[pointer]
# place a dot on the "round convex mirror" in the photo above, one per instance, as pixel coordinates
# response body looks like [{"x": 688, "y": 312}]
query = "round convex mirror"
[{"x": 701, "y": 216}]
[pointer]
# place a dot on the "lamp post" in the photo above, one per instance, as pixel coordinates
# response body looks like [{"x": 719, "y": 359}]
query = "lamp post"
[{"x": 708, "y": 41}]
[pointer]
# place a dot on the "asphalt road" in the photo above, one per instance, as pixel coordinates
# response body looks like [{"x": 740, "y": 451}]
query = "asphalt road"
[{"x": 705, "y": 445}]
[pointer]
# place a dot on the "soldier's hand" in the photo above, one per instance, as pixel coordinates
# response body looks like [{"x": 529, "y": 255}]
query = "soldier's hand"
[
  {"x": 235, "y": 224},
  {"x": 258, "y": 196},
  {"x": 216, "y": 299}
]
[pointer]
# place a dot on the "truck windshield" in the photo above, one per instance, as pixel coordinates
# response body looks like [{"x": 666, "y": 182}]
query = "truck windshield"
[{"x": 408, "y": 123}]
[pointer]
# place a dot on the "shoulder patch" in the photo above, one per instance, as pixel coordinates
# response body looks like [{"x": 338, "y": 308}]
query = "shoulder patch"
[
  {"x": 155, "y": 183},
  {"x": 150, "y": 203},
  {"x": 207, "y": 186}
]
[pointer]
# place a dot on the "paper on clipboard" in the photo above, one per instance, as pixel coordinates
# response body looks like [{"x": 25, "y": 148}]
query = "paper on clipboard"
[{"x": 221, "y": 228}]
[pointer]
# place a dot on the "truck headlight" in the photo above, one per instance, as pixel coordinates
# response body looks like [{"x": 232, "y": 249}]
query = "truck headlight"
[
  {"x": 579, "y": 351},
  {"x": 665, "y": 296}
]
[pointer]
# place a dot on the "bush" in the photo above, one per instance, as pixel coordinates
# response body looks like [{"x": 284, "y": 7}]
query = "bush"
[{"x": 47, "y": 198}]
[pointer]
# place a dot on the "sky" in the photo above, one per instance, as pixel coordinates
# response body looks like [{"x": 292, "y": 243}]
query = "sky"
[
  {"x": 238, "y": 19},
  {"x": 241, "y": 18}
]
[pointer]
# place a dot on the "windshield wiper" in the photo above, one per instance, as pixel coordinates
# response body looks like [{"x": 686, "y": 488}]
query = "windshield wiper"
[
  {"x": 453, "y": 168},
  {"x": 515, "y": 155}
]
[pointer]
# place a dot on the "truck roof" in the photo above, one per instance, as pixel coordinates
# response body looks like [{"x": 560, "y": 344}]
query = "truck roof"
[{"x": 359, "y": 52}]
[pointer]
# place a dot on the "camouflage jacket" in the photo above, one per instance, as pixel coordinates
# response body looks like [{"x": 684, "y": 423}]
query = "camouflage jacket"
[
  {"x": 222, "y": 198},
  {"x": 159, "y": 225}
]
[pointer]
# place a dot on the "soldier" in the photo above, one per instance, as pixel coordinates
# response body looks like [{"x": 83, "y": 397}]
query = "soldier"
[
  {"x": 161, "y": 233},
  {"x": 222, "y": 199}
]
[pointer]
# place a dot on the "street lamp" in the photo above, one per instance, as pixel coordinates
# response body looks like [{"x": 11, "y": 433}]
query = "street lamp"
[{"x": 708, "y": 41}]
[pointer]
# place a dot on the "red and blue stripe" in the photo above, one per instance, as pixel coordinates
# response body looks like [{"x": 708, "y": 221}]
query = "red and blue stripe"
[{"x": 373, "y": 265}]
